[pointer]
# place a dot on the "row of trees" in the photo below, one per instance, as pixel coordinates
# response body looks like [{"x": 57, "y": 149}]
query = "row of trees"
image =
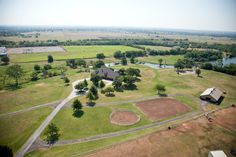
[
  {"x": 203, "y": 56},
  {"x": 228, "y": 69}
]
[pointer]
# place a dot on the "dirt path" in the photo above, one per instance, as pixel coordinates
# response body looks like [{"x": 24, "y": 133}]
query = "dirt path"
[
  {"x": 54, "y": 104},
  {"x": 40, "y": 129}
]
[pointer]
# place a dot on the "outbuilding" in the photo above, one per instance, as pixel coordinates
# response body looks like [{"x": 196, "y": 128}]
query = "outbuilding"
[
  {"x": 212, "y": 94},
  {"x": 217, "y": 153},
  {"x": 3, "y": 51}
]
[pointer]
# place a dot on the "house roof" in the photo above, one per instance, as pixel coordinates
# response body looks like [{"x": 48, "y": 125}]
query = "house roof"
[
  {"x": 218, "y": 153},
  {"x": 107, "y": 73},
  {"x": 213, "y": 92}
]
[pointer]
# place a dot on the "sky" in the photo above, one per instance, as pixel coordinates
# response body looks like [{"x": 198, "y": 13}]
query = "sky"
[{"x": 215, "y": 15}]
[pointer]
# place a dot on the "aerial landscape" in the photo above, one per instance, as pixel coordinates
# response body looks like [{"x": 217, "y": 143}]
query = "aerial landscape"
[{"x": 118, "y": 78}]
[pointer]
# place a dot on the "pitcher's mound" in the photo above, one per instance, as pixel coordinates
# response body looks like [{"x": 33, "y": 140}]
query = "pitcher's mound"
[{"x": 124, "y": 118}]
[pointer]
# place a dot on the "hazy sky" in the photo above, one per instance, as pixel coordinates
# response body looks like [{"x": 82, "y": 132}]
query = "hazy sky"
[{"x": 180, "y": 14}]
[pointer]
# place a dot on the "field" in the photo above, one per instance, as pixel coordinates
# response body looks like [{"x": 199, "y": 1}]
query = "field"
[
  {"x": 33, "y": 93},
  {"x": 89, "y": 123},
  {"x": 16, "y": 129},
  {"x": 72, "y": 52},
  {"x": 194, "y": 138},
  {"x": 35, "y": 49},
  {"x": 158, "y": 109},
  {"x": 169, "y": 59},
  {"x": 184, "y": 141}
]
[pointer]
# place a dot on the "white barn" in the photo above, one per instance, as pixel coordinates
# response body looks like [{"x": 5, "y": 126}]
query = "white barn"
[
  {"x": 211, "y": 94},
  {"x": 3, "y": 51},
  {"x": 217, "y": 153}
]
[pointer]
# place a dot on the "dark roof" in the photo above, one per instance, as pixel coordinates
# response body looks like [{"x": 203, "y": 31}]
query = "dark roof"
[{"x": 107, "y": 73}]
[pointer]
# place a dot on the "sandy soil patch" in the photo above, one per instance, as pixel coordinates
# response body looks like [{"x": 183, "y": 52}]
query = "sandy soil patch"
[
  {"x": 41, "y": 49},
  {"x": 161, "y": 108},
  {"x": 123, "y": 117}
]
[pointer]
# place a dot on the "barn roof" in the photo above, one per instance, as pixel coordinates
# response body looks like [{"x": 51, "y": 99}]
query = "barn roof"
[
  {"x": 218, "y": 153},
  {"x": 213, "y": 92}
]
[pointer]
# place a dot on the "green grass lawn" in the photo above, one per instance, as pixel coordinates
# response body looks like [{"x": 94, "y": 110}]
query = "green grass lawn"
[
  {"x": 32, "y": 93},
  {"x": 72, "y": 52},
  {"x": 16, "y": 129},
  {"x": 168, "y": 59},
  {"x": 89, "y": 124}
]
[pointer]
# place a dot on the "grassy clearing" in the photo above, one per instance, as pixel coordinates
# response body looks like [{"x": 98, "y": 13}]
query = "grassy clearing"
[
  {"x": 32, "y": 93},
  {"x": 72, "y": 52},
  {"x": 89, "y": 124},
  {"x": 16, "y": 129},
  {"x": 169, "y": 59}
]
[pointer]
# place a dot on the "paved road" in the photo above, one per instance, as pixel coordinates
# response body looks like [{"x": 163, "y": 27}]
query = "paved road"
[{"x": 37, "y": 133}]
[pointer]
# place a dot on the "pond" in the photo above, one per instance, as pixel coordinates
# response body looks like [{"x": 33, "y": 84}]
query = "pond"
[
  {"x": 151, "y": 65},
  {"x": 226, "y": 61}
]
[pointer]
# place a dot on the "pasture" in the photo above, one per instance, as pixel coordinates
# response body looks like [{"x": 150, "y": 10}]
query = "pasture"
[
  {"x": 16, "y": 129},
  {"x": 72, "y": 52},
  {"x": 169, "y": 59}
]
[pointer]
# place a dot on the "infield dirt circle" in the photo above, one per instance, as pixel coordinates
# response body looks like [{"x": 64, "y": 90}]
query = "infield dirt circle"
[
  {"x": 122, "y": 117},
  {"x": 161, "y": 108}
]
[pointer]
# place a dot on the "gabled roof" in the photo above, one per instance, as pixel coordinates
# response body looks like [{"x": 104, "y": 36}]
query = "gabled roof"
[
  {"x": 107, "y": 73},
  {"x": 213, "y": 92},
  {"x": 218, "y": 153}
]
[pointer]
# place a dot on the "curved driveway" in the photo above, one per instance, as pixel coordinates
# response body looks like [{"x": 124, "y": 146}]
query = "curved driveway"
[{"x": 40, "y": 129}]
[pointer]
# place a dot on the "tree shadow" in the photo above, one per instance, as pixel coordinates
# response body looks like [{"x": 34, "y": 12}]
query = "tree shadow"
[
  {"x": 91, "y": 104},
  {"x": 110, "y": 95},
  {"x": 162, "y": 94},
  {"x": 78, "y": 113},
  {"x": 130, "y": 87},
  {"x": 12, "y": 87},
  {"x": 119, "y": 90}
]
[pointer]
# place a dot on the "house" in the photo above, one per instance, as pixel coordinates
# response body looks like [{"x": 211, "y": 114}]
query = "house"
[
  {"x": 211, "y": 94},
  {"x": 107, "y": 73},
  {"x": 217, "y": 153},
  {"x": 3, "y": 51}
]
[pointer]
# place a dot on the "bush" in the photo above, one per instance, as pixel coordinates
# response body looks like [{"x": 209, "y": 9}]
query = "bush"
[
  {"x": 47, "y": 67},
  {"x": 37, "y": 67}
]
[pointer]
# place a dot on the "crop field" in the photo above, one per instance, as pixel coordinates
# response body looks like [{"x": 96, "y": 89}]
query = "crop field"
[{"x": 73, "y": 52}]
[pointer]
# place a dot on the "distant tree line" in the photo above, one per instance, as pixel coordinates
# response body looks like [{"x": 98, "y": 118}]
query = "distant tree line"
[{"x": 204, "y": 56}]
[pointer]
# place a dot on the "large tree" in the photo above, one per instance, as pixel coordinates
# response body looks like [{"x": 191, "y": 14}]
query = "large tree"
[
  {"x": 37, "y": 67},
  {"x": 109, "y": 91},
  {"x": 50, "y": 59},
  {"x": 5, "y": 151},
  {"x": 101, "y": 84},
  {"x": 124, "y": 61},
  {"x": 100, "y": 56},
  {"x": 95, "y": 79},
  {"x": 118, "y": 55},
  {"x": 77, "y": 105},
  {"x": 117, "y": 83},
  {"x": 52, "y": 133},
  {"x": 5, "y": 60},
  {"x": 15, "y": 71},
  {"x": 198, "y": 72},
  {"x": 98, "y": 64},
  {"x": 160, "y": 61},
  {"x": 160, "y": 88}
]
